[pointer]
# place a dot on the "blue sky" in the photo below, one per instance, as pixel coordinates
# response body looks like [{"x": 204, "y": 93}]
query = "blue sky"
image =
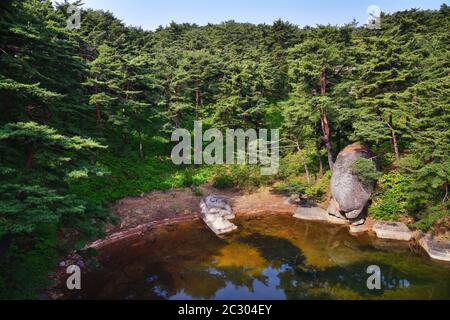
[{"x": 149, "y": 14}]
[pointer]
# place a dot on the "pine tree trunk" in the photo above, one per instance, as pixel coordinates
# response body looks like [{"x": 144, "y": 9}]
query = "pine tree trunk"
[
  {"x": 177, "y": 120},
  {"x": 323, "y": 83},
  {"x": 327, "y": 138},
  {"x": 29, "y": 110},
  {"x": 447, "y": 191},
  {"x": 325, "y": 124},
  {"x": 29, "y": 152},
  {"x": 395, "y": 146},
  {"x": 197, "y": 100},
  {"x": 98, "y": 112},
  {"x": 319, "y": 156},
  {"x": 339, "y": 140},
  {"x": 394, "y": 141}
]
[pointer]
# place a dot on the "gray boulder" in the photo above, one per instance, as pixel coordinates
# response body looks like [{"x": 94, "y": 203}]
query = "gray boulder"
[
  {"x": 216, "y": 213},
  {"x": 350, "y": 195}
]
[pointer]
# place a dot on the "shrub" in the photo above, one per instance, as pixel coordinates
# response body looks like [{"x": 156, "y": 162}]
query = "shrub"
[
  {"x": 320, "y": 188},
  {"x": 390, "y": 199},
  {"x": 291, "y": 188},
  {"x": 223, "y": 182},
  {"x": 431, "y": 216},
  {"x": 366, "y": 171}
]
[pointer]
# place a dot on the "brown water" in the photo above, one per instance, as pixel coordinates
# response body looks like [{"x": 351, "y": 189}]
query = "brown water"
[{"x": 274, "y": 257}]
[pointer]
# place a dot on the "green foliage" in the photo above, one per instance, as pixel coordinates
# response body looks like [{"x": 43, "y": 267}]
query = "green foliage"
[
  {"x": 223, "y": 181},
  {"x": 366, "y": 170},
  {"x": 24, "y": 273},
  {"x": 431, "y": 216},
  {"x": 320, "y": 188},
  {"x": 390, "y": 199},
  {"x": 87, "y": 115},
  {"x": 291, "y": 188},
  {"x": 246, "y": 177},
  {"x": 315, "y": 191}
]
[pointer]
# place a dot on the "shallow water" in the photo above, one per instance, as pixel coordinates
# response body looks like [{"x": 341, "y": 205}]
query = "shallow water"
[{"x": 271, "y": 257}]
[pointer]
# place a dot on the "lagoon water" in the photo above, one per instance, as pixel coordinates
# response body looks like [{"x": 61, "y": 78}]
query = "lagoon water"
[{"x": 270, "y": 257}]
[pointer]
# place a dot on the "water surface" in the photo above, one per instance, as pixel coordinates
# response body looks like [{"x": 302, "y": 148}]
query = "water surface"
[{"x": 271, "y": 257}]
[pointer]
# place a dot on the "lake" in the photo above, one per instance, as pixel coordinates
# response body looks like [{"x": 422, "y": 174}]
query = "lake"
[{"x": 270, "y": 257}]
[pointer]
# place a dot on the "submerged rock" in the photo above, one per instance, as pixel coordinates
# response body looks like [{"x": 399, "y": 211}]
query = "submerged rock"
[
  {"x": 350, "y": 195},
  {"x": 216, "y": 211},
  {"x": 392, "y": 231}
]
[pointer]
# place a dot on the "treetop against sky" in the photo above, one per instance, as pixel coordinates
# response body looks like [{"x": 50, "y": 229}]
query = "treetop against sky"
[{"x": 153, "y": 13}]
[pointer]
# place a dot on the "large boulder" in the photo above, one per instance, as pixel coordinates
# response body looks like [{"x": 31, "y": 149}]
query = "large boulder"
[{"x": 350, "y": 195}]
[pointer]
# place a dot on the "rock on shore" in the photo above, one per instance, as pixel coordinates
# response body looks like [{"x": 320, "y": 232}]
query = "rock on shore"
[
  {"x": 392, "y": 231},
  {"x": 350, "y": 195},
  {"x": 216, "y": 213},
  {"x": 436, "y": 249}
]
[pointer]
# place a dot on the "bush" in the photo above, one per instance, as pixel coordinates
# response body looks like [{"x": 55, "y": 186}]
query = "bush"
[
  {"x": 320, "y": 188},
  {"x": 223, "y": 182},
  {"x": 431, "y": 216},
  {"x": 366, "y": 171},
  {"x": 291, "y": 188},
  {"x": 390, "y": 199}
]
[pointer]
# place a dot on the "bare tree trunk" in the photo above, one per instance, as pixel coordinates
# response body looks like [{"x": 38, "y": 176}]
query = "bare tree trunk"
[
  {"x": 319, "y": 156},
  {"x": 394, "y": 142},
  {"x": 308, "y": 176},
  {"x": 395, "y": 145},
  {"x": 141, "y": 146}
]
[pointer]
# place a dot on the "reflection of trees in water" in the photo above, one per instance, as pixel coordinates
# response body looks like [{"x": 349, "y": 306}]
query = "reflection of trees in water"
[
  {"x": 318, "y": 284},
  {"x": 278, "y": 251},
  {"x": 187, "y": 269},
  {"x": 296, "y": 278}
]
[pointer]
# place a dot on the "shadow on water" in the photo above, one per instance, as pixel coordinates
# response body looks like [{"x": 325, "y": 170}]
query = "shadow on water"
[{"x": 269, "y": 258}]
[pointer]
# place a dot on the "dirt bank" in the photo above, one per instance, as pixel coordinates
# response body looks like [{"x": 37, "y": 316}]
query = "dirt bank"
[{"x": 138, "y": 215}]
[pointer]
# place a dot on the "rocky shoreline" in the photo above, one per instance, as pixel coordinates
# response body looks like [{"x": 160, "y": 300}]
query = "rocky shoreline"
[
  {"x": 142, "y": 214},
  {"x": 387, "y": 230}
]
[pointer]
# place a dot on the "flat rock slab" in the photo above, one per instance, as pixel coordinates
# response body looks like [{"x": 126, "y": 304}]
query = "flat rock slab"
[
  {"x": 220, "y": 226},
  {"x": 313, "y": 212},
  {"x": 436, "y": 249},
  {"x": 359, "y": 229},
  {"x": 392, "y": 231},
  {"x": 216, "y": 213}
]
